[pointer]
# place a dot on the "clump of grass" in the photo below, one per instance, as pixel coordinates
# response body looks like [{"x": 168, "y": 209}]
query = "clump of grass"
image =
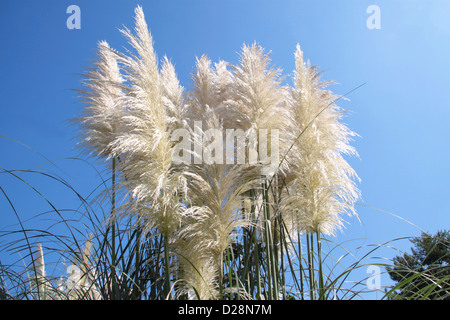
[{"x": 158, "y": 229}]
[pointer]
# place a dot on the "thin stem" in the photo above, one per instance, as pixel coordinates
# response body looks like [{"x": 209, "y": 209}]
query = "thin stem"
[
  {"x": 319, "y": 257},
  {"x": 300, "y": 258},
  {"x": 113, "y": 231},
  {"x": 267, "y": 233},
  {"x": 310, "y": 248},
  {"x": 229, "y": 268},
  {"x": 167, "y": 286}
]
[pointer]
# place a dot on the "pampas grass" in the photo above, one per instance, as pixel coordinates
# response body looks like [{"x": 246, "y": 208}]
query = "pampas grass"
[
  {"x": 202, "y": 228},
  {"x": 322, "y": 186},
  {"x": 144, "y": 144},
  {"x": 104, "y": 99}
]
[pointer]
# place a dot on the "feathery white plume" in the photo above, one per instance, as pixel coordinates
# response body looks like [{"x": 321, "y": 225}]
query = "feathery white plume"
[
  {"x": 258, "y": 94},
  {"x": 215, "y": 188},
  {"x": 144, "y": 144},
  {"x": 99, "y": 121},
  {"x": 257, "y": 90},
  {"x": 322, "y": 188}
]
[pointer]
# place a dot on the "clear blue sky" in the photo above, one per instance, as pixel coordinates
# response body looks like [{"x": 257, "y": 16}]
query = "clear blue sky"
[{"x": 402, "y": 113}]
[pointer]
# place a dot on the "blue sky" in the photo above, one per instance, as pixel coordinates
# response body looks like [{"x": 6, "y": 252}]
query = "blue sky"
[{"x": 401, "y": 113}]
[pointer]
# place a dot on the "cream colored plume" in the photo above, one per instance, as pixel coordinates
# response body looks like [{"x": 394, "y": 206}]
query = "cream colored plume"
[
  {"x": 212, "y": 91},
  {"x": 322, "y": 186},
  {"x": 144, "y": 145},
  {"x": 100, "y": 119},
  {"x": 215, "y": 189},
  {"x": 259, "y": 95}
]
